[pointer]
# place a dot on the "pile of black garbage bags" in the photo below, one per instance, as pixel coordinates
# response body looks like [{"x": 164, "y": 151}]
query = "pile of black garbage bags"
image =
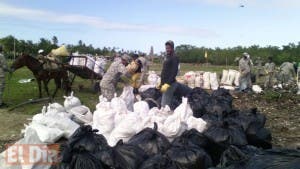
[{"x": 234, "y": 139}]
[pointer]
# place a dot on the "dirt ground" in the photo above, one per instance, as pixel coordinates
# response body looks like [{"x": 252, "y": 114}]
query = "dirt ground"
[
  {"x": 282, "y": 112},
  {"x": 283, "y": 115}
]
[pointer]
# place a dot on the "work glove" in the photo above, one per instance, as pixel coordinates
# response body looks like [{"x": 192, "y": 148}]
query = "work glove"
[
  {"x": 158, "y": 86},
  {"x": 164, "y": 88}
]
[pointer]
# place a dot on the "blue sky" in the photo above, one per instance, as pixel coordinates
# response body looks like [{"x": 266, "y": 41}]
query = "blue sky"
[{"x": 137, "y": 25}]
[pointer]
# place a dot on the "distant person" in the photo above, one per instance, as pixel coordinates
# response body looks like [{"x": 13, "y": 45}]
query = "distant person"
[
  {"x": 287, "y": 73},
  {"x": 250, "y": 62},
  {"x": 259, "y": 67},
  {"x": 3, "y": 68},
  {"x": 117, "y": 71},
  {"x": 245, "y": 77},
  {"x": 269, "y": 69}
]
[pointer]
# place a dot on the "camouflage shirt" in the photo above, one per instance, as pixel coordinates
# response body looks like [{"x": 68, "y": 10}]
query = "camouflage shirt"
[
  {"x": 244, "y": 66},
  {"x": 113, "y": 74},
  {"x": 3, "y": 65}
]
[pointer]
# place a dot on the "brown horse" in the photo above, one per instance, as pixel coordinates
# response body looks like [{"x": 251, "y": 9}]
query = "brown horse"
[{"x": 60, "y": 76}]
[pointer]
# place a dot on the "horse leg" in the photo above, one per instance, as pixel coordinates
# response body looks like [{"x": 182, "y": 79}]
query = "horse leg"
[
  {"x": 57, "y": 85},
  {"x": 40, "y": 88},
  {"x": 46, "y": 86}
]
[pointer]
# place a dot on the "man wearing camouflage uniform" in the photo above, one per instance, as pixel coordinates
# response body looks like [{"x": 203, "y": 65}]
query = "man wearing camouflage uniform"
[
  {"x": 287, "y": 73},
  {"x": 245, "y": 77},
  {"x": 259, "y": 65},
  {"x": 3, "y": 68},
  {"x": 115, "y": 72},
  {"x": 269, "y": 69}
]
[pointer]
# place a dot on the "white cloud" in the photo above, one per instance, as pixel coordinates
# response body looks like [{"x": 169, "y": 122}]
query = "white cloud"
[{"x": 97, "y": 22}]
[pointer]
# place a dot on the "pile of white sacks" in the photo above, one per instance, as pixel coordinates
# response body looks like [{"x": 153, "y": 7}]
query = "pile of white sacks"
[
  {"x": 115, "y": 122},
  {"x": 230, "y": 78},
  {"x": 205, "y": 80},
  {"x": 96, "y": 64},
  {"x": 57, "y": 121},
  {"x": 118, "y": 119}
]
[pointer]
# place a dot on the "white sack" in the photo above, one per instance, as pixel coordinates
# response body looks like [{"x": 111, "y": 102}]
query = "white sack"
[
  {"x": 152, "y": 78},
  {"x": 103, "y": 119},
  {"x": 46, "y": 134},
  {"x": 128, "y": 96},
  {"x": 189, "y": 78},
  {"x": 146, "y": 87},
  {"x": 71, "y": 101},
  {"x": 224, "y": 76},
  {"x": 90, "y": 62},
  {"x": 256, "y": 89},
  {"x": 63, "y": 123},
  {"x": 214, "y": 84},
  {"x": 127, "y": 128},
  {"x": 184, "y": 110},
  {"x": 196, "y": 123},
  {"x": 206, "y": 81},
  {"x": 141, "y": 108},
  {"x": 118, "y": 105},
  {"x": 82, "y": 114},
  {"x": 230, "y": 77},
  {"x": 237, "y": 79}
]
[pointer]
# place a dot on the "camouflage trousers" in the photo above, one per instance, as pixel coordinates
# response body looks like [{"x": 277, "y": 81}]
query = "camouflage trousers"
[
  {"x": 108, "y": 92},
  {"x": 2, "y": 85},
  {"x": 269, "y": 80}
]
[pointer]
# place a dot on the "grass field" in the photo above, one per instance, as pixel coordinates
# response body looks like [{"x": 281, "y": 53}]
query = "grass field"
[{"x": 11, "y": 122}]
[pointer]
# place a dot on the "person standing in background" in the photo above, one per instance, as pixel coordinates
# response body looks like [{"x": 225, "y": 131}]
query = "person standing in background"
[
  {"x": 245, "y": 77},
  {"x": 269, "y": 69},
  {"x": 3, "y": 68}
]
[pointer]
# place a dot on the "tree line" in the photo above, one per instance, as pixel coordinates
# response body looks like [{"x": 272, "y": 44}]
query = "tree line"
[
  {"x": 218, "y": 56},
  {"x": 13, "y": 46},
  {"x": 187, "y": 53}
]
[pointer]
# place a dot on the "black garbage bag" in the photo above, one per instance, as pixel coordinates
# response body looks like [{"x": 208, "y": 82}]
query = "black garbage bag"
[
  {"x": 260, "y": 138},
  {"x": 222, "y": 94},
  {"x": 221, "y": 101},
  {"x": 151, "y": 93},
  {"x": 253, "y": 124},
  {"x": 122, "y": 156},
  {"x": 226, "y": 134},
  {"x": 176, "y": 101},
  {"x": 159, "y": 162},
  {"x": 151, "y": 141},
  {"x": 189, "y": 157},
  {"x": 192, "y": 137},
  {"x": 217, "y": 107},
  {"x": 153, "y": 103},
  {"x": 198, "y": 100},
  {"x": 84, "y": 139},
  {"x": 234, "y": 158},
  {"x": 84, "y": 161},
  {"x": 182, "y": 90}
]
